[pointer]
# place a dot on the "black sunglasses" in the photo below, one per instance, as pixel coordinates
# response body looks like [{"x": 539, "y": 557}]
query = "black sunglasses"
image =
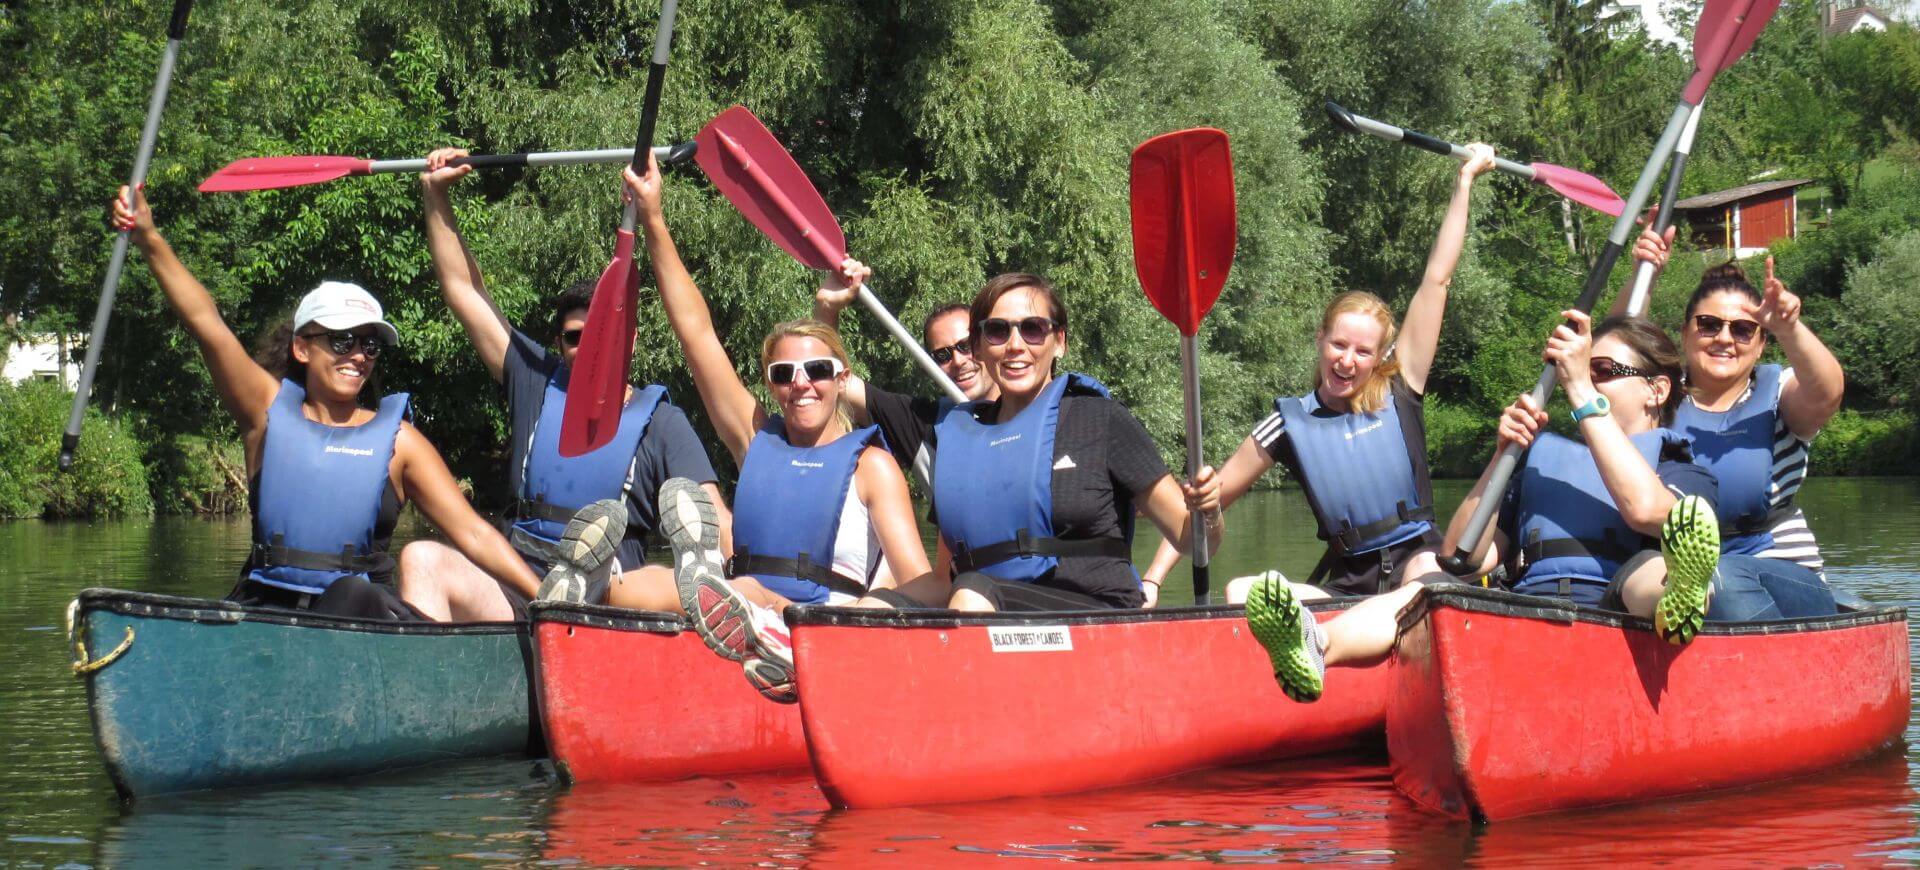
[
  {"x": 1709, "y": 326},
  {"x": 1033, "y": 330},
  {"x": 1603, "y": 369},
  {"x": 944, "y": 355},
  {"x": 820, "y": 368},
  {"x": 341, "y": 343},
  {"x": 571, "y": 337}
]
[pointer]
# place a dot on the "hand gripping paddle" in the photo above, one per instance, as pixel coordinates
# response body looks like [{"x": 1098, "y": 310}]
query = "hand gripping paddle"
[
  {"x": 116, "y": 263},
  {"x": 1184, "y": 229},
  {"x": 1726, "y": 30},
  {"x": 275, "y": 173},
  {"x": 755, "y": 173},
  {"x": 1577, "y": 186},
  {"x": 597, "y": 391}
]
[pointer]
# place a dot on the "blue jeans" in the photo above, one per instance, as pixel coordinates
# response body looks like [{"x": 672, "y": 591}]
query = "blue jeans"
[{"x": 1747, "y": 588}]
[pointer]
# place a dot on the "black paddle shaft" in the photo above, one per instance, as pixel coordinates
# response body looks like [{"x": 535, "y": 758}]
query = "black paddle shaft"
[
  {"x": 110, "y": 286},
  {"x": 656, "y": 80}
]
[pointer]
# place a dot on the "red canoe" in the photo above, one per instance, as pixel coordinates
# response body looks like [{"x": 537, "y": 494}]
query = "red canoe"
[
  {"x": 1508, "y": 705},
  {"x": 925, "y": 707},
  {"x": 629, "y": 695}
]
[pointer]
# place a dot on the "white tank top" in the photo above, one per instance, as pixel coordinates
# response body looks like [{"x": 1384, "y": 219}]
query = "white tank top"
[{"x": 855, "y": 544}]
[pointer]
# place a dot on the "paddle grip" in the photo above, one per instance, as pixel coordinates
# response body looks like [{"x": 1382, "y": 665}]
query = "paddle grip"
[
  {"x": 1353, "y": 123},
  {"x": 110, "y": 285},
  {"x": 1460, "y": 563},
  {"x": 177, "y": 25}
]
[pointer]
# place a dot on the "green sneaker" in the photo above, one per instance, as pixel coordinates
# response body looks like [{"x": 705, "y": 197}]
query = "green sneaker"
[
  {"x": 1291, "y": 635},
  {"x": 1690, "y": 540}
]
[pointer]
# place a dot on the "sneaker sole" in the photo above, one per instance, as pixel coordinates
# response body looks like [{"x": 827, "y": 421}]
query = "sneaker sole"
[
  {"x": 587, "y": 542},
  {"x": 692, "y": 528},
  {"x": 563, "y": 583},
  {"x": 773, "y": 682},
  {"x": 720, "y": 619},
  {"x": 1690, "y": 541},
  {"x": 1275, "y": 619}
]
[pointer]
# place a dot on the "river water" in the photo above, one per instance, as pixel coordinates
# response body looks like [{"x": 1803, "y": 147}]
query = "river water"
[{"x": 57, "y": 807}]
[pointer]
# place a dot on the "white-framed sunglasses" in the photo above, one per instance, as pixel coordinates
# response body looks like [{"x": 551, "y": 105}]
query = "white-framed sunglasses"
[{"x": 819, "y": 368}]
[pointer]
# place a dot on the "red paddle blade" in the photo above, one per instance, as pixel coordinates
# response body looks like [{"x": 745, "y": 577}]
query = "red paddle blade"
[
  {"x": 1184, "y": 222},
  {"x": 1580, "y": 187},
  {"x": 755, "y": 173},
  {"x": 272, "y": 173},
  {"x": 1727, "y": 29},
  {"x": 598, "y": 390}
]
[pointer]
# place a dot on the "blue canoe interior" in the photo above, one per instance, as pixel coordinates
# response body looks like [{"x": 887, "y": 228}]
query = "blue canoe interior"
[{"x": 192, "y": 693}]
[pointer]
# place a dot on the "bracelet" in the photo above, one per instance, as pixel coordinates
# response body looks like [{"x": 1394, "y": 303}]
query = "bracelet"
[{"x": 1149, "y": 581}]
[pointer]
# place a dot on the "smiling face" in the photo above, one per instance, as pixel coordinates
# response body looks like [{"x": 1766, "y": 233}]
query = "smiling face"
[
  {"x": 571, "y": 324},
  {"x": 809, "y": 406},
  {"x": 1718, "y": 358},
  {"x": 1635, "y": 401},
  {"x": 332, "y": 376},
  {"x": 1020, "y": 369},
  {"x": 947, "y": 331},
  {"x": 1350, "y": 349}
]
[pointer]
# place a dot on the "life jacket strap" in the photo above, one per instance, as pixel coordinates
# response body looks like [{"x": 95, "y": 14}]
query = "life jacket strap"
[
  {"x": 1762, "y": 523},
  {"x": 803, "y": 568},
  {"x": 276, "y": 553},
  {"x": 1351, "y": 537},
  {"x": 1025, "y": 544},
  {"x": 536, "y": 509},
  {"x": 1612, "y": 549}
]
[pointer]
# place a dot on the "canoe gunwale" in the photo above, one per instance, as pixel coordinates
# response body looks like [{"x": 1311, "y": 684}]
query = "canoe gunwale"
[
  {"x": 1499, "y": 602},
  {"x": 604, "y": 616},
  {"x": 215, "y": 611},
  {"x": 819, "y": 614}
]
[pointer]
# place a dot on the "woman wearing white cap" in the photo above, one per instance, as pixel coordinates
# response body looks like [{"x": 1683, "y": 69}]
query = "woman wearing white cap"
[{"x": 328, "y": 470}]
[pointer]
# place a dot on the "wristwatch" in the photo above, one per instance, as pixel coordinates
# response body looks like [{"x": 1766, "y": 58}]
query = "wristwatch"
[{"x": 1597, "y": 407}]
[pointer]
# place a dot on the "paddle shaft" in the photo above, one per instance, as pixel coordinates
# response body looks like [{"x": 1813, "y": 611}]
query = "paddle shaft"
[
  {"x": 1643, "y": 275},
  {"x": 791, "y": 214},
  {"x": 666, "y": 154},
  {"x": 110, "y": 286},
  {"x": 650, "y": 102},
  {"x": 1190, "y": 393},
  {"x": 1460, "y": 563},
  {"x": 1422, "y": 141}
]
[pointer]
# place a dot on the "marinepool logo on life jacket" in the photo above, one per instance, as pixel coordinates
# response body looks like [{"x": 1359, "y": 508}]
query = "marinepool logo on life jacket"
[
  {"x": 1007, "y": 440},
  {"x": 1365, "y": 429},
  {"x": 798, "y": 464},
  {"x": 350, "y": 451}
]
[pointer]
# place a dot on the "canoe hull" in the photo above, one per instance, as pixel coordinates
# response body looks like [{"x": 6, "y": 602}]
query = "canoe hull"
[
  {"x": 212, "y": 694},
  {"x": 1508, "y": 706},
  {"x": 630, "y": 696},
  {"x": 944, "y": 707}
]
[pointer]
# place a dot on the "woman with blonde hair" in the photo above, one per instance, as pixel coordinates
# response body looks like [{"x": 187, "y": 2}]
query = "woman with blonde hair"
[
  {"x": 818, "y": 505},
  {"x": 1357, "y": 442}
]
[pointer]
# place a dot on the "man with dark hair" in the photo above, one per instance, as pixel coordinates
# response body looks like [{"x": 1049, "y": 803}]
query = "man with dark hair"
[
  {"x": 570, "y": 514},
  {"x": 905, "y": 419}
]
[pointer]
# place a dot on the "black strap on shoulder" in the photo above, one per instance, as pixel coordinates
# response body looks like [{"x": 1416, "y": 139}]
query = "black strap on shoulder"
[
  {"x": 803, "y": 568},
  {"x": 1349, "y": 537},
  {"x": 1025, "y": 544},
  {"x": 276, "y": 553}
]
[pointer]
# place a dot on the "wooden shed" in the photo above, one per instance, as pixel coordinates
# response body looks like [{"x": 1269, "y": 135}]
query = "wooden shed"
[{"x": 1745, "y": 219}]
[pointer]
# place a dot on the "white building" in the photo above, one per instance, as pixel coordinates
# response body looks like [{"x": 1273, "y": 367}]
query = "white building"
[
  {"x": 1648, "y": 17},
  {"x": 40, "y": 358}
]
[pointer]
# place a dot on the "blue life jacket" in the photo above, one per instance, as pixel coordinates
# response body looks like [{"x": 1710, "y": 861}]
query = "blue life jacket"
[
  {"x": 549, "y": 488},
  {"x": 320, "y": 491},
  {"x": 1358, "y": 477},
  {"x": 993, "y": 488},
  {"x": 786, "y": 512},
  {"x": 1569, "y": 528},
  {"x": 1737, "y": 446}
]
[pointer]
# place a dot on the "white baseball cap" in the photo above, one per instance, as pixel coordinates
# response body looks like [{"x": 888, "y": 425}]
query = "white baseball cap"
[{"x": 339, "y": 305}]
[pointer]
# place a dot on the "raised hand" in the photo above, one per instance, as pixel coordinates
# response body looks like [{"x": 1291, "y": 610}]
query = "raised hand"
[
  {"x": 1779, "y": 308},
  {"x": 840, "y": 287},
  {"x": 439, "y": 176},
  {"x": 1479, "y": 164},
  {"x": 131, "y": 212},
  {"x": 1569, "y": 349},
  {"x": 1654, "y": 247},
  {"x": 1520, "y": 423},
  {"x": 643, "y": 190}
]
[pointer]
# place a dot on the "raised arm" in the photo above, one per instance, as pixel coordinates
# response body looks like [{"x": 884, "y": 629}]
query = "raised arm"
[
  {"x": 246, "y": 390},
  {"x": 427, "y": 482},
  {"x": 1811, "y": 396},
  {"x": 1420, "y": 330},
  {"x": 837, "y": 291},
  {"x": 1642, "y": 499},
  {"x": 735, "y": 414},
  {"x": 454, "y": 266}
]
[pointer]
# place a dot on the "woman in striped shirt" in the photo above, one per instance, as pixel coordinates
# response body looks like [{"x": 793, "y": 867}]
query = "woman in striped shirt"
[{"x": 1751, "y": 425}]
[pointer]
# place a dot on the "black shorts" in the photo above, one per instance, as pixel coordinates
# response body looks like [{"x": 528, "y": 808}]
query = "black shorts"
[
  {"x": 1370, "y": 573},
  {"x": 351, "y": 597},
  {"x": 1013, "y": 596}
]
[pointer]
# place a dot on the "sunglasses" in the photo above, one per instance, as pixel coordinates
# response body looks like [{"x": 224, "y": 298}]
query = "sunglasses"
[
  {"x": 820, "y": 368},
  {"x": 944, "y": 355},
  {"x": 1709, "y": 326},
  {"x": 1603, "y": 369},
  {"x": 571, "y": 337},
  {"x": 342, "y": 343},
  {"x": 1033, "y": 330}
]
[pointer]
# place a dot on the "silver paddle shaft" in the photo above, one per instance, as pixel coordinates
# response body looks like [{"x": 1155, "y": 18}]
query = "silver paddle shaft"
[{"x": 544, "y": 158}]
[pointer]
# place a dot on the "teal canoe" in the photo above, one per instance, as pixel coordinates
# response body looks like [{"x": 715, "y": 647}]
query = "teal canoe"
[{"x": 190, "y": 693}]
